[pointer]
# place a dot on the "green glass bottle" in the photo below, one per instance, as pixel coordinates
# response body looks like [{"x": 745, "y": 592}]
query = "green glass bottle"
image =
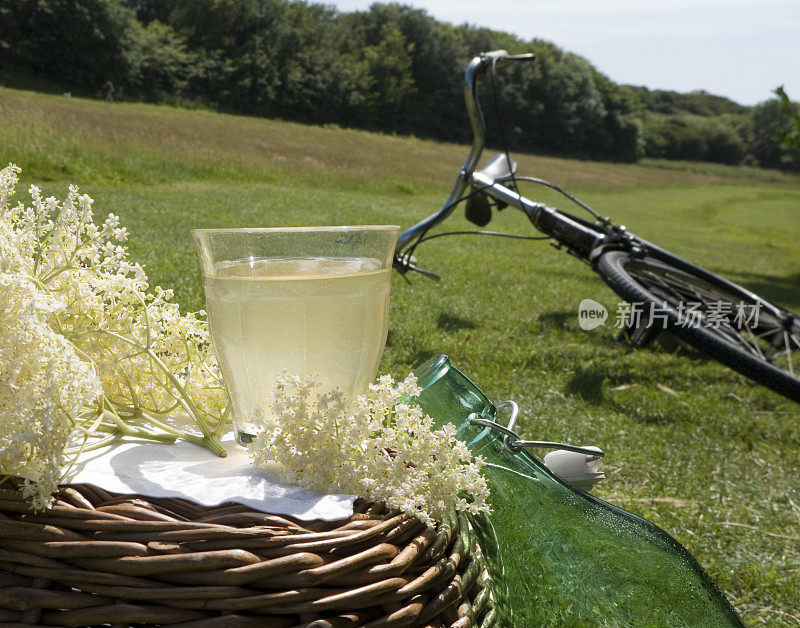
[{"x": 561, "y": 557}]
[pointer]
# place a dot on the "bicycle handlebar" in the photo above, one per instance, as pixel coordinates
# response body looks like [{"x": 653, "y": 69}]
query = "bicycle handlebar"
[
  {"x": 477, "y": 66},
  {"x": 502, "y": 56}
]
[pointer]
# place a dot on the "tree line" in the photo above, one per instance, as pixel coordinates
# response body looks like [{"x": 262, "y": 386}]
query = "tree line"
[{"x": 391, "y": 68}]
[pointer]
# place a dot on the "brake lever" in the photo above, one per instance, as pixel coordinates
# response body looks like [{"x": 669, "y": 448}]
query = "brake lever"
[{"x": 404, "y": 262}]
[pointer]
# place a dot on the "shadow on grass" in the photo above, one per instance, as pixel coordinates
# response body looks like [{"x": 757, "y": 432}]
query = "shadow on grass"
[
  {"x": 666, "y": 342},
  {"x": 587, "y": 383},
  {"x": 451, "y": 322},
  {"x": 557, "y": 319},
  {"x": 650, "y": 417},
  {"x": 419, "y": 356},
  {"x": 413, "y": 355},
  {"x": 783, "y": 291}
]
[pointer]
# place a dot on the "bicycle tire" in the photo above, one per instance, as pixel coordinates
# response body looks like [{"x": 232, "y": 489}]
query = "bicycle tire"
[{"x": 764, "y": 351}]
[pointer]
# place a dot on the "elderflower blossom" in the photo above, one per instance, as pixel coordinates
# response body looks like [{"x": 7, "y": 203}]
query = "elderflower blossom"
[
  {"x": 44, "y": 385},
  {"x": 381, "y": 448},
  {"x": 87, "y": 352}
]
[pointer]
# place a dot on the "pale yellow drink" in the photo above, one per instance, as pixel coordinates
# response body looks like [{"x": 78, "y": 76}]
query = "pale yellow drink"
[{"x": 324, "y": 318}]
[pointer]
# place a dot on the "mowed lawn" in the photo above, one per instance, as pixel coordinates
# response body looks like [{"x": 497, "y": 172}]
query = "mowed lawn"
[{"x": 692, "y": 446}]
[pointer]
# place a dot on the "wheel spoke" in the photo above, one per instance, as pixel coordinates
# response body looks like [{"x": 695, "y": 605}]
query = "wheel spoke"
[
  {"x": 788, "y": 354},
  {"x": 729, "y": 323},
  {"x": 682, "y": 290},
  {"x": 754, "y": 342}
]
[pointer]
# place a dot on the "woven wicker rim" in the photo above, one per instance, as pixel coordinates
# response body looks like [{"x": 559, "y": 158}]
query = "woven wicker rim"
[{"x": 97, "y": 558}]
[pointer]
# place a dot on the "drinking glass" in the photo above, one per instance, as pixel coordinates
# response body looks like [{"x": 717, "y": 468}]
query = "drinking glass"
[{"x": 311, "y": 300}]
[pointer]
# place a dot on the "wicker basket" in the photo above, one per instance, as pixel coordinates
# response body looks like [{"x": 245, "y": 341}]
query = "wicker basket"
[{"x": 101, "y": 559}]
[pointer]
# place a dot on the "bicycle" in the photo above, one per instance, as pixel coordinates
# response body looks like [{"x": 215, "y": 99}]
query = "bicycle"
[{"x": 685, "y": 297}]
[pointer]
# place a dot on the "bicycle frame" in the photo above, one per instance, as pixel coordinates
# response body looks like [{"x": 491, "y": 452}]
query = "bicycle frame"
[
  {"x": 640, "y": 272},
  {"x": 579, "y": 236}
]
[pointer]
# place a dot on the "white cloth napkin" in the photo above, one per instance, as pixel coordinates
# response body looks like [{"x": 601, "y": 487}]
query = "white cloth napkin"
[{"x": 191, "y": 472}]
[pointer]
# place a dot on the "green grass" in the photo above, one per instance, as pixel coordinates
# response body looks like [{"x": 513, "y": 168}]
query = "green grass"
[{"x": 692, "y": 446}]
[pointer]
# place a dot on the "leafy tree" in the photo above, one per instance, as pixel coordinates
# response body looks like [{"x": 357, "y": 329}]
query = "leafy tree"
[
  {"x": 789, "y": 136},
  {"x": 428, "y": 62},
  {"x": 561, "y": 104},
  {"x": 622, "y": 128},
  {"x": 699, "y": 103},
  {"x": 725, "y": 143},
  {"x": 83, "y": 43},
  {"x": 389, "y": 67},
  {"x": 160, "y": 64},
  {"x": 770, "y": 124}
]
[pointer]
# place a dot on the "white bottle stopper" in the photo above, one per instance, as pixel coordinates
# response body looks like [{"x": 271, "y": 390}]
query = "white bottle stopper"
[{"x": 580, "y": 470}]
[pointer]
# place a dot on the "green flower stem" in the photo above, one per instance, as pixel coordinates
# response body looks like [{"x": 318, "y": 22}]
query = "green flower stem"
[
  {"x": 135, "y": 432},
  {"x": 223, "y": 422},
  {"x": 123, "y": 429},
  {"x": 55, "y": 273},
  {"x": 103, "y": 442},
  {"x": 117, "y": 432},
  {"x": 141, "y": 414},
  {"x": 187, "y": 402},
  {"x": 137, "y": 406},
  {"x": 212, "y": 443},
  {"x": 210, "y": 440}
]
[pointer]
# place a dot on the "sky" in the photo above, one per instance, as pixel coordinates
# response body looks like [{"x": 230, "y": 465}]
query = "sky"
[{"x": 742, "y": 49}]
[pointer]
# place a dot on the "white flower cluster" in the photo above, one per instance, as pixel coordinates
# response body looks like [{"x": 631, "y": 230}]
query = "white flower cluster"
[
  {"x": 87, "y": 352},
  {"x": 381, "y": 448}
]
